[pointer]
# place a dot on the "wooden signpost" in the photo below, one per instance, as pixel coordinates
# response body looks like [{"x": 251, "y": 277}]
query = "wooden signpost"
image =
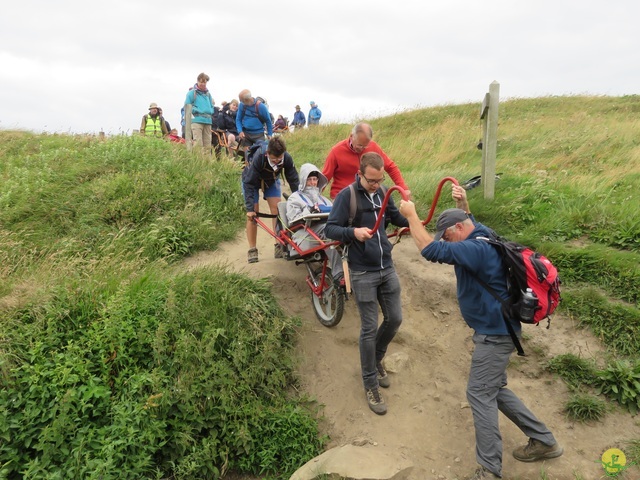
[{"x": 489, "y": 115}]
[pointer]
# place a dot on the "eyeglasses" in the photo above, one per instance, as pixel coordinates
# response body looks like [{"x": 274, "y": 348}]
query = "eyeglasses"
[{"x": 372, "y": 182}]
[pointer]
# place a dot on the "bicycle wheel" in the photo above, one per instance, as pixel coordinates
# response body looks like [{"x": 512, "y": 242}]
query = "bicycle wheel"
[{"x": 330, "y": 306}]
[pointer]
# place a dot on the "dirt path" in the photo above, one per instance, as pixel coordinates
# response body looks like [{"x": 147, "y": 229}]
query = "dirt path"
[{"x": 428, "y": 421}]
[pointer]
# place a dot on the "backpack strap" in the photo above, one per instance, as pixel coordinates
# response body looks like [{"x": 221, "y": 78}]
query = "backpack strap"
[
  {"x": 505, "y": 312},
  {"x": 353, "y": 201},
  {"x": 353, "y": 204},
  {"x": 257, "y": 106}
]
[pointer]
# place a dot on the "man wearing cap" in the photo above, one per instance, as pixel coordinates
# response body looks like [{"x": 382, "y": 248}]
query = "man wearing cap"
[
  {"x": 153, "y": 124},
  {"x": 314, "y": 114},
  {"x": 298, "y": 118},
  {"x": 463, "y": 247},
  {"x": 343, "y": 161}
]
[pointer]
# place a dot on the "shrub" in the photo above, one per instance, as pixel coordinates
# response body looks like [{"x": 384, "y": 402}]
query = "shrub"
[{"x": 585, "y": 408}]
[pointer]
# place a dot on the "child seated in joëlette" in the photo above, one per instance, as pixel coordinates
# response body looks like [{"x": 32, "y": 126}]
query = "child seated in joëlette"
[{"x": 306, "y": 200}]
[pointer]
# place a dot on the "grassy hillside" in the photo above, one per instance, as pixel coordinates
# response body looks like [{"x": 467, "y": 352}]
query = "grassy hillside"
[{"x": 110, "y": 362}]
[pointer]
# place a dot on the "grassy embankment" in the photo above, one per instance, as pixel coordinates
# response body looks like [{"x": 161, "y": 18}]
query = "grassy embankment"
[{"x": 112, "y": 363}]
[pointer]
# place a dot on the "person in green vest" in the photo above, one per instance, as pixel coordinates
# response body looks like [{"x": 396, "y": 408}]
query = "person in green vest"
[{"x": 153, "y": 124}]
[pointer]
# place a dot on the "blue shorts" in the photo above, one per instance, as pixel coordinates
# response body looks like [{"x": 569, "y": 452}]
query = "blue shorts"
[{"x": 274, "y": 191}]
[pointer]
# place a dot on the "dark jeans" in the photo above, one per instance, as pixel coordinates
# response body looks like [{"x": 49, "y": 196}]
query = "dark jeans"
[{"x": 372, "y": 289}]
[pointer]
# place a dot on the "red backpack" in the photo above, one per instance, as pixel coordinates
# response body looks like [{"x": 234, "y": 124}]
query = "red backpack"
[{"x": 533, "y": 283}]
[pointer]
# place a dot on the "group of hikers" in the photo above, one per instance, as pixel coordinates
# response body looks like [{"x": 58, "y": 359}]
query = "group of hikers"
[
  {"x": 236, "y": 124},
  {"x": 358, "y": 166}
]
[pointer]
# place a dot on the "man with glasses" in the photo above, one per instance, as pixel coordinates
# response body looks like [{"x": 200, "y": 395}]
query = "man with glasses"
[
  {"x": 373, "y": 276},
  {"x": 474, "y": 258},
  {"x": 266, "y": 165},
  {"x": 343, "y": 160}
]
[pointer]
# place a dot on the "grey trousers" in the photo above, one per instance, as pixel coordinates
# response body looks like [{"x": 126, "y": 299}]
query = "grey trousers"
[{"x": 487, "y": 395}]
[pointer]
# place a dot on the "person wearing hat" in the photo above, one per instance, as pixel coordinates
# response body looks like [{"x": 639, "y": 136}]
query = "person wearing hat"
[
  {"x": 314, "y": 114},
  {"x": 299, "y": 120},
  {"x": 153, "y": 124},
  {"x": 458, "y": 242}
]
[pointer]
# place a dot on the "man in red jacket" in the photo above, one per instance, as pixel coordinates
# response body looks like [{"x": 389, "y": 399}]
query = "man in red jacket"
[{"x": 343, "y": 162}]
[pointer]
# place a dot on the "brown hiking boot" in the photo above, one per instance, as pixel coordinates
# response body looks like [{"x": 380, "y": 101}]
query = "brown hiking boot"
[
  {"x": 277, "y": 251},
  {"x": 536, "y": 450},
  {"x": 252, "y": 255},
  {"x": 376, "y": 402}
]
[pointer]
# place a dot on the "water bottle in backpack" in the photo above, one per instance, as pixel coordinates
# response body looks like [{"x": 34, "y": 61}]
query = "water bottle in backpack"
[{"x": 528, "y": 304}]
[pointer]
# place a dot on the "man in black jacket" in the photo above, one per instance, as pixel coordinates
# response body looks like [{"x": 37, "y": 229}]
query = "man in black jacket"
[
  {"x": 373, "y": 276},
  {"x": 265, "y": 165}
]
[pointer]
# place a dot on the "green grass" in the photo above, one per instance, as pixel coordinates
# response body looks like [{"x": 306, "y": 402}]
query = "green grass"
[
  {"x": 105, "y": 351},
  {"x": 585, "y": 408}
]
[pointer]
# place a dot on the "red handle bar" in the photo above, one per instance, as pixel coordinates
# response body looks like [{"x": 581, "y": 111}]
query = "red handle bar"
[
  {"x": 403, "y": 192},
  {"x": 436, "y": 197}
]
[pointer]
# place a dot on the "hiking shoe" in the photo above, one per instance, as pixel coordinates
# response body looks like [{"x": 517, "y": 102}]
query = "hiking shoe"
[
  {"x": 482, "y": 474},
  {"x": 277, "y": 251},
  {"x": 536, "y": 450},
  {"x": 383, "y": 378},
  {"x": 376, "y": 402},
  {"x": 252, "y": 255}
]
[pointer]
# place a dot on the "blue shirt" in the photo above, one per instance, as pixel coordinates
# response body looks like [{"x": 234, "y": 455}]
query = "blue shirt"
[{"x": 479, "y": 308}]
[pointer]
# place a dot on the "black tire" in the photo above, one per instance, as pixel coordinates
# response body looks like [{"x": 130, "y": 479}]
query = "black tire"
[{"x": 330, "y": 307}]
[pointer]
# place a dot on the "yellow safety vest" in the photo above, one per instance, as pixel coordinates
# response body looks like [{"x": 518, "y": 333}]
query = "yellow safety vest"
[{"x": 153, "y": 127}]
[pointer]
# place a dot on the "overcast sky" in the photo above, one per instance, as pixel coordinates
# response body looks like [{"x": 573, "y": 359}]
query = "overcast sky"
[{"x": 82, "y": 66}]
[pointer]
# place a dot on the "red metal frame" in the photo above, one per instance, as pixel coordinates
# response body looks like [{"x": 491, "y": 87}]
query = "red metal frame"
[{"x": 285, "y": 240}]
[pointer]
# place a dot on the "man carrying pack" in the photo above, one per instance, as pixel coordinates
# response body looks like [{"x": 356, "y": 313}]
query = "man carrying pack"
[
  {"x": 373, "y": 276},
  {"x": 253, "y": 114},
  {"x": 487, "y": 394},
  {"x": 267, "y": 162}
]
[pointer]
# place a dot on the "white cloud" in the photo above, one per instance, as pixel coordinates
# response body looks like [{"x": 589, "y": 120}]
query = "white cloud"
[{"x": 71, "y": 66}]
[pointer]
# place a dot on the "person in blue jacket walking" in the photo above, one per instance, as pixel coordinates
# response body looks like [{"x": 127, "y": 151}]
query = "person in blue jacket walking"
[
  {"x": 314, "y": 114},
  {"x": 252, "y": 118},
  {"x": 299, "y": 121},
  {"x": 201, "y": 113},
  {"x": 463, "y": 247}
]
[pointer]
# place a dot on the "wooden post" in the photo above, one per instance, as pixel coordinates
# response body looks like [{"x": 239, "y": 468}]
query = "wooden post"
[
  {"x": 489, "y": 113},
  {"x": 187, "y": 126}
]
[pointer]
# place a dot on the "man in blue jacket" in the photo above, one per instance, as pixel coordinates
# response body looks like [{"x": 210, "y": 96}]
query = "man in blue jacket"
[
  {"x": 298, "y": 119},
  {"x": 373, "y": 276},
  {"x": 464, "y": 248},
  {"x": 252, "y": 117},
  {"x": 266, "y": 165}
]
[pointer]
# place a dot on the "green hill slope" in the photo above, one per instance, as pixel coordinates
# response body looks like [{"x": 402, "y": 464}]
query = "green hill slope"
[{"x": 110, "y": 362}]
